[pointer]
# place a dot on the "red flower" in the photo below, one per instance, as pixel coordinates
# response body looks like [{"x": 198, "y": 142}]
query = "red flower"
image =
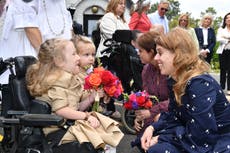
[
  {"x": 94, "y": 80},
  {"x": 101, "y": 77},
  {"x": 138, "y": 100},
  {"x": 108, "y": 78}
]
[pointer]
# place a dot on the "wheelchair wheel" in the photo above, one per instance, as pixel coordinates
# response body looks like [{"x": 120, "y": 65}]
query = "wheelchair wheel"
[{"x": 127, "y": 118}]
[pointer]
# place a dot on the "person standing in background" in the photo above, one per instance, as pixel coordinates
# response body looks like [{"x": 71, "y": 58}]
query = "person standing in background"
[
  {"x": 223, "y": 36},
  {"x": 183, "y": 22},
  {"x": 110, "y": 22},
  {"x": 206, "y": 37},
  {"x": 139, "y": 19},
  {"x": 159, "y": 17},
  {"x": 3, "y": 9},
  {"x": 28, "y": 24}
]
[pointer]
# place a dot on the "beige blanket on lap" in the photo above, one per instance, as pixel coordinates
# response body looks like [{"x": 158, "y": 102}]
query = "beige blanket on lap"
[{"x": 107, "y": 133}]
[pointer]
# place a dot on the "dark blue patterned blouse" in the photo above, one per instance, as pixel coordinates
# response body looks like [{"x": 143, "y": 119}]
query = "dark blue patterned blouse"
[{"x": 200, "y": 125}]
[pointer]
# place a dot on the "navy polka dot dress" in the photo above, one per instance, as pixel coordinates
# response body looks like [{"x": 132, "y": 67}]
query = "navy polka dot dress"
[{"x": 200, "y": 125}]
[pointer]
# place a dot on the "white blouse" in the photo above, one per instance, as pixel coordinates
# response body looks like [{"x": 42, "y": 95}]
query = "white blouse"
[
  {"x": 19, "y": 15},
  {"x": 108, "y": 25},
  {"x": 223, "y": 36}
]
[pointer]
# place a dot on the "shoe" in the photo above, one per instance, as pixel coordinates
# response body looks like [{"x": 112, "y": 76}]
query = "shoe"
[{"x": 116, "y": 115}]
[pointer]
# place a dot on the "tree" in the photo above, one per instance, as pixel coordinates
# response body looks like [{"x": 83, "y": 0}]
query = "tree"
[{"x": 210, "y": 10}]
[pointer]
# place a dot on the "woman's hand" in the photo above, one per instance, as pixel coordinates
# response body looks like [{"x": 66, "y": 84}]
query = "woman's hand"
[
  {"x": 138, "y": 124},
  {"x": 142, "y": 114},
  {"x": 146, "y": 139},
  {"x": 154, "y": 140},
  {"x": 204, "y": 53},
  {"x": 93, "y": 121}
]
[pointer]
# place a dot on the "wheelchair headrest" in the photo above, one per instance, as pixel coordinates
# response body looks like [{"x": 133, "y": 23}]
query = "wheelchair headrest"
[
  {"x": 124, "y": 36},
  {"x": 22, "y": 63}
]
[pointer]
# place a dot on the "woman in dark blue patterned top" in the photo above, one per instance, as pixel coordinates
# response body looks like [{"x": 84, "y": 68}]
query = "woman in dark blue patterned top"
[{"x": 198, "y": 120}]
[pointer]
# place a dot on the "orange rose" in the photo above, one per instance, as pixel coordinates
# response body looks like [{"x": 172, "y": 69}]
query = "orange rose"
[{"x": 95, "y": 80}]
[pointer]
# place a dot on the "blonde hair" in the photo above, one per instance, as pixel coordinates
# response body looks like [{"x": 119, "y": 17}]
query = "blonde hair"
[
  {"x": 207, "y": 15},
  {"x": 186, "y": 61},
  {"x": 111, "y": 7},
  {"x": 184, "y": 15},
  {"x": 79, "y": 38},
  {"x": 41, "y": 75}
]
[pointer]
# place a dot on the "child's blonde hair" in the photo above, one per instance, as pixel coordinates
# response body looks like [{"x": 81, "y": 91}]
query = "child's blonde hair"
[
  {"x": 79, "y": 38},
  {"x": 41, "y": 75}
]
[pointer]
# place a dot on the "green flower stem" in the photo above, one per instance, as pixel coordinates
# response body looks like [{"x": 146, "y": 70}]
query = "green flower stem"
[{"x": 96, "y": 103}]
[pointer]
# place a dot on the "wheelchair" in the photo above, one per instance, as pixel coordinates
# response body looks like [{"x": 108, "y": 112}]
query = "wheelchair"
[
  {"x": 23, "y": 117},
  {"x": 125, "y": 63}
]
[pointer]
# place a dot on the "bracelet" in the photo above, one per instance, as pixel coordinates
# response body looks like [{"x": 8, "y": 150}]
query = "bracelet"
[{"x": 86, "y": 116}]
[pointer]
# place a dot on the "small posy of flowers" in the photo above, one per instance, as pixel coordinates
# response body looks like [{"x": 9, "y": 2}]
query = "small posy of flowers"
[
  {"x": 139, "y": 100},
  {"x": 102, "y": 78}
]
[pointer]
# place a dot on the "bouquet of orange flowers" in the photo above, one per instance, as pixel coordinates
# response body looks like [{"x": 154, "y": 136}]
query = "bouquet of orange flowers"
[
  {"x": 139, "y": 100},
  {"x": 102, "y": 78}
]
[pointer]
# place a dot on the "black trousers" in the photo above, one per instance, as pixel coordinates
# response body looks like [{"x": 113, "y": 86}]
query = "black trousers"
[{"x": 224, "y": 60}]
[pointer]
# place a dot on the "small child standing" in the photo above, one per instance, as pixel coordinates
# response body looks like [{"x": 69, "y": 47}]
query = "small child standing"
[
  {"x": 54, "y": 78},
  {"x": 87, "y": 51}
]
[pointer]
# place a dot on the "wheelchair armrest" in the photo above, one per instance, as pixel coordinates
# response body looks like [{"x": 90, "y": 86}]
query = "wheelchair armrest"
[
  {"x": 8, "y": 121},
  {"x": 38, "y": 120},
  {"x": 41, "y": 120},
  {"x": 16, "y": 112},
  {"x": 39, "y": 107}
]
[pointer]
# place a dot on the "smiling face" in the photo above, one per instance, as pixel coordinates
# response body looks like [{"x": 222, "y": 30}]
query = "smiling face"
[
  {"x": 206, "y": 21},
  {"x": 164, "y": 60},
  {"x": 162, "y": 8},
  {"x": 70, "y": 63},
  {"x": 183, "y": 21}
]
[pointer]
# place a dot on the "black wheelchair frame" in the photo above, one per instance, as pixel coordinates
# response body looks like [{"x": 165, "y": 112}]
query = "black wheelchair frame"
[
  {"x": 125, "y": 63},
  {"x": 23, "y": 118}
]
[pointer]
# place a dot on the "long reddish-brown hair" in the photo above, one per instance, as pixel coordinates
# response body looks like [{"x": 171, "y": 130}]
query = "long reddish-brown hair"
[{"x": 186, "y": 61}]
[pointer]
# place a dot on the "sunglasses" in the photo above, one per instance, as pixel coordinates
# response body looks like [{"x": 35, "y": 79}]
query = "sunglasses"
[
  {"x": 164, "y": 9},
  {"x": 183, "y": 20}
]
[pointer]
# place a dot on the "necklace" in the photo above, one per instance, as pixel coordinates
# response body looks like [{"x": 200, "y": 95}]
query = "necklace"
[{"x": 48, "y": 21}]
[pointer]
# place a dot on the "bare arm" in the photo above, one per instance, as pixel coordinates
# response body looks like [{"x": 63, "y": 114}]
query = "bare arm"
[
  {"x": 87, "y": 102},
  {"x": 69, "y": 113},
  {"x": 34, "y": 36}
]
